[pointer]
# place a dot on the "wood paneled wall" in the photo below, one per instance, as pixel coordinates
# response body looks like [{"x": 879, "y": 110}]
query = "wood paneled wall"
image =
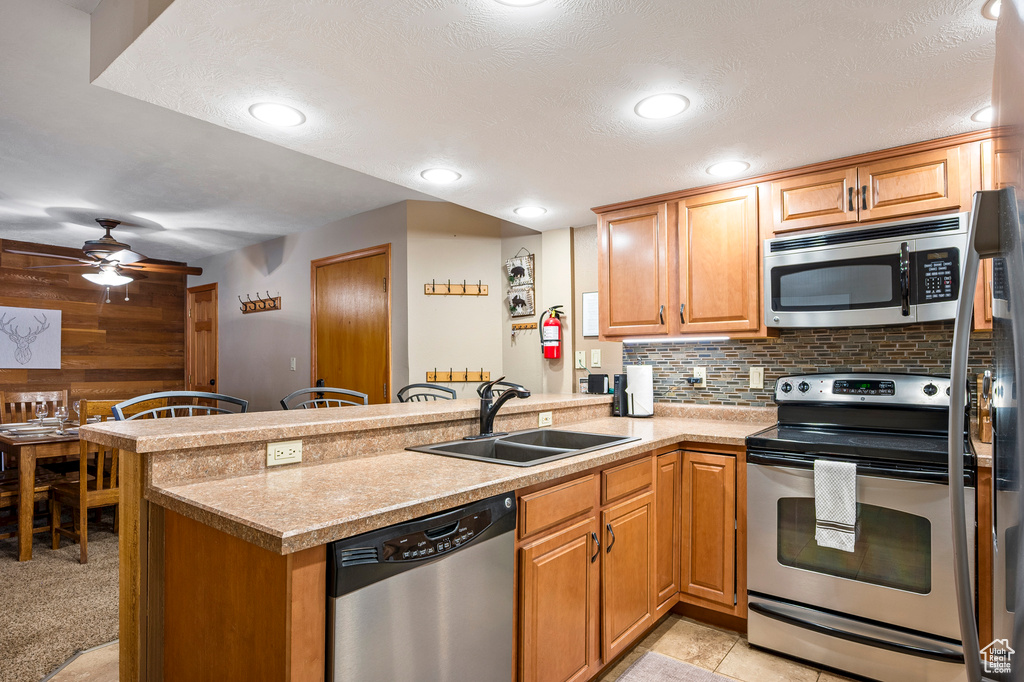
[{"x": 110, "y": 350}]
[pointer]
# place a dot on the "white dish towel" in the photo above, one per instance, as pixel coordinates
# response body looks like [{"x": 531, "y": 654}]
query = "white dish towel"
[{"x": 835, "y": 504}]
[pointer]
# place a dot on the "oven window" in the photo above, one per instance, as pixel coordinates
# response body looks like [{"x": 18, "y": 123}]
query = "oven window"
[
  {"x": 893, "y": 548},
  {"x": 854, "y": 284}
]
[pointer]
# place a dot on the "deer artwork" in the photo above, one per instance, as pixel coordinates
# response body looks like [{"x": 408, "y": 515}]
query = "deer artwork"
[{"x": 23, "y": 354}]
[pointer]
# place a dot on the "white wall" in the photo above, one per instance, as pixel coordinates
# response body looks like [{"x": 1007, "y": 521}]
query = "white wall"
[
  {"x": 556, "y": 278},
  {"x": 521, "y": 358},
  {"x": 584, "y": 253},
  {"x": 255, "y": 350}
]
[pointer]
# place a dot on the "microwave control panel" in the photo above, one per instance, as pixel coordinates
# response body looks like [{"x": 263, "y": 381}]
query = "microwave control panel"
[{"x": 936, "y": 275}]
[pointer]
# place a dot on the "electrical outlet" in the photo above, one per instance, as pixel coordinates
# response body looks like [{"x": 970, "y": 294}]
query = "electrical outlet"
[
  {"x": 293, "y": 364},
  {"x": 702, "y": 374},
  {"x": 757, "y": 377},
  {"x": 595, "y": 357},
  {"x": 544, "y": 419},
  {"x": 581, "y": 359},
  {"x": 284, "y": 452}
]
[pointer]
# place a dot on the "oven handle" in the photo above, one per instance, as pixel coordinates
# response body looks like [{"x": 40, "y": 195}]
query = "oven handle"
[
  {"x": 780, "y": 460},
  {"x": 775, "y": 613}
]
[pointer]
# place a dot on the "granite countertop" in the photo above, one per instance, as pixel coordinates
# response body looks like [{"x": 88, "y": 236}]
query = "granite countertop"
[
  {"x": 156, "y": 435},
  {"x": 293, "y": 508}
]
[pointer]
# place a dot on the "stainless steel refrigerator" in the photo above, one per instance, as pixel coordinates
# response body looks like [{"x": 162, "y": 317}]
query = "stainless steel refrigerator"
[{"x": 996, "y": 232}]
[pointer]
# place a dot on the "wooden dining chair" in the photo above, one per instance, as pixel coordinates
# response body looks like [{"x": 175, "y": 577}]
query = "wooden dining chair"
[
  {"x": 96, "y": 487},
  {"x": 20, "y": 406}
]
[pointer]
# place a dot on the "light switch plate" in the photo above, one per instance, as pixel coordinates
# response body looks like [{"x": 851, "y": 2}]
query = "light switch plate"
[
  {"x": 702, "y": 374},
  {"x": 595, "y": 357},
  {"x": 293, "y": 364},
  {"x": 544, "y": 419},
  {"x": 757, "y": 377},
  {"x": 284, "y": 452},
  {"x": 581, "y": 359}
]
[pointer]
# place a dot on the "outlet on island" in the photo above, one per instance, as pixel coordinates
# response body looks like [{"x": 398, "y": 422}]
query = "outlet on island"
[
  {"x": 284, "y": 452},
  {"x": 544, "y": 419}
]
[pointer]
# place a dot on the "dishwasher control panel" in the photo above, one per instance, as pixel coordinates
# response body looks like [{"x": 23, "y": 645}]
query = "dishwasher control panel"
[{"x": 436, "y": 541}]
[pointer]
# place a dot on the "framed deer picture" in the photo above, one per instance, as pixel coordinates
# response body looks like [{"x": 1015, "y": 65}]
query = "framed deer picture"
[{"x": 29, "y": 338}]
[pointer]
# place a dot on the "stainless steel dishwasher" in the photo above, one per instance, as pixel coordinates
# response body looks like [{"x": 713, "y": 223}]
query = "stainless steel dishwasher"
[{"x": 428, "y": 600}]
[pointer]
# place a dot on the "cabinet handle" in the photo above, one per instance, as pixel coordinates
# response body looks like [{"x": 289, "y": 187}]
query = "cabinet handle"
[
  {"x": 598, "y": 543},
  {"x": 661, "y": 314},
  {"x": 864, "y": 197},
  {"x": 682, "y": 307},
  {"x": 612, "y": 533},
  {"x": 849, "y": 198}
]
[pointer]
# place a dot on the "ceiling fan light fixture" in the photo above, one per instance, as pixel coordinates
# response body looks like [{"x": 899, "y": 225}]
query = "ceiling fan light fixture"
[
  {"x": 277, "y": 114},
  {"x": 108, "y": 278}
]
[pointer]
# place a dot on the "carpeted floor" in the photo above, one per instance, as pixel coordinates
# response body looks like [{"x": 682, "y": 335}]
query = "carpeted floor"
[{"x": 53, "y": 606}]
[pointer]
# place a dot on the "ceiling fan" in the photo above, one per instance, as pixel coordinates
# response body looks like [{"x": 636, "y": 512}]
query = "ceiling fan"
[{"x": 114, "y": 261}]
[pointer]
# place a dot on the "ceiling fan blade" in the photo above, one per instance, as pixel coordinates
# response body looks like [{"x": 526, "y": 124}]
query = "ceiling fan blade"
[
  {"x": 69, "y": 265},
  {"x": 162, "y": 267},
  {"x": 125, "y": 257},
  {"x": 43, "y": 255}
]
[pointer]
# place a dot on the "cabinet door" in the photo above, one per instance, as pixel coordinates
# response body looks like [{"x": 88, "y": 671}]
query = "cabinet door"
[
  {"x": 666, "y": 523},
  {"x": 627, "y": 580},
  {"x": 815, "y": 200},
  {"x": 718, "y": 283},
  {"x": 558, "y": 608},
  {"x": 633, "y": 271},
  {"x": 916, "y": 183},
  {"x": 708, "y": 527}
]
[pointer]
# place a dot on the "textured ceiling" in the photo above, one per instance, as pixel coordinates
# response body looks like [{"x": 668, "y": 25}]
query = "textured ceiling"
[
  {"x": 535, "y": 105},
  {"x": 71, "y": 152}
]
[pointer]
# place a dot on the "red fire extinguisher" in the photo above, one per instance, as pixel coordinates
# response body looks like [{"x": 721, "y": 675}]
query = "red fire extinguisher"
[{"x": 551, "y": 333}]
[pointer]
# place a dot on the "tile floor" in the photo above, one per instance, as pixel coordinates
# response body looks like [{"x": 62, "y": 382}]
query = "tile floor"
[{"x": 722, "y": 651}]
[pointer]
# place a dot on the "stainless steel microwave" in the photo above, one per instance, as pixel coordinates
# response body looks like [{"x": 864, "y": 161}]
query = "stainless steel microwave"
[{"x": 894, "y": 273}]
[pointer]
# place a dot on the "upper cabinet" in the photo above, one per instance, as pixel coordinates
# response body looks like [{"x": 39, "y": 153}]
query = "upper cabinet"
[
  {"x": 889, "y": 188},
  {"x": 717, "y": 276},
  {"x": 633, "y": 275}
]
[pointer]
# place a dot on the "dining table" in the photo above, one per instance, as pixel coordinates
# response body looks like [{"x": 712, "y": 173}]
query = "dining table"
[{"x": 31, "y": 443}]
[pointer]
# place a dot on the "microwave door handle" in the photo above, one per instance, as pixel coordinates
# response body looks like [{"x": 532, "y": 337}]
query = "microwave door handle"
[{"x": 905, "y": 279}]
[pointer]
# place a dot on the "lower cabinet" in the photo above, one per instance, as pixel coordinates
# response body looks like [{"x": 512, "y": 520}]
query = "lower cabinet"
[
  {"x": 709, "y": 529},
  {"x": 627, "y": 572},
  {"x": 667, "y": 522}
]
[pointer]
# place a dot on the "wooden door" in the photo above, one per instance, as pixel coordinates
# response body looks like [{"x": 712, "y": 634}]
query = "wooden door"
[
  {"x": 627, "y": 580},
  {"x": 201, "y": 339},
  {"x": 708, "y": 527},
  {"x": 905, "y": 185},
  {"x": 633, "y": 271},
  {"x": 815, "y": 200},
  {"x": 666, "y": 523},
  {"x": 558, "y": 607},
  {"x": 351, "y": 332},
  {"x": 719, "y": 289}
]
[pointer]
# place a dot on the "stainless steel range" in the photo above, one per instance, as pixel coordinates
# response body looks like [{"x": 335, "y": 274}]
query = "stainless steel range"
[{"x": 887, "y": 609}]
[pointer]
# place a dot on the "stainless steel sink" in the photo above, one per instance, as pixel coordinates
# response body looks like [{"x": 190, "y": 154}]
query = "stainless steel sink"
[{"x": 526, "y": 448}]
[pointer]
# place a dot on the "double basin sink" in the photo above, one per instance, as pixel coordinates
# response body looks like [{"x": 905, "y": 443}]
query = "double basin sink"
[{"x": 526, "y": 448}]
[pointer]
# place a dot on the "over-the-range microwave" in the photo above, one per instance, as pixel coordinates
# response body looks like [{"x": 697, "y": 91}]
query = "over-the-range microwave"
[{"x": 894, "y": 273}]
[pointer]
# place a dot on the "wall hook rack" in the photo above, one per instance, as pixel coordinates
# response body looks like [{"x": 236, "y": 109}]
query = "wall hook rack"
[
  {"x": 260, "y": 304},
  {"x": 435, "y": 288},
  {"x": 457, "y": 376}
]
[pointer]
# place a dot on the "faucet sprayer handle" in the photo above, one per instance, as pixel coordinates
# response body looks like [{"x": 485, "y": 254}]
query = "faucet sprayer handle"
[{"x": 485, "y": 390}]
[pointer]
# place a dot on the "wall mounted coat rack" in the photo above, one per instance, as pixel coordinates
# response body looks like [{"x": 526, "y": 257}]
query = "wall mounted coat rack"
[
  {"x": 457, "y": 376},
  {"x": 524, "y": 326},
  {"x": 260, "y": 304},
  {"x": 447, "y": 288}
]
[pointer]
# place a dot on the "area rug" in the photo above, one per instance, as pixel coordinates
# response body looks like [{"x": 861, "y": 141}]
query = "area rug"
[
  {"x": 53, "y": 606},
  {"x": 655, "y": 667}
]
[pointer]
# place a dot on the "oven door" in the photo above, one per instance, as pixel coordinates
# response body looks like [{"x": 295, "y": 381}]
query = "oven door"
[{"x": 901, "y": 572}]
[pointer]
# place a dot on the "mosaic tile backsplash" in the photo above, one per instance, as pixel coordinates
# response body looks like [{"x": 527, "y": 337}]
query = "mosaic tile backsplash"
[{"x": 920, "y": 349}]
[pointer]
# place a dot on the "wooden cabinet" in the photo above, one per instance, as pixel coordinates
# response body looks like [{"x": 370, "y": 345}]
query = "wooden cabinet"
[
  {"x": 718, "y": 283},
  {"x": 667, "y": 521},
  {"x": 559, "y": 592},
  {"x": 708, "y": 533},
  {"x": 886, "y": 189},
  {"x": 633, "y": 273},
  {"x": 627, "y": 578}
]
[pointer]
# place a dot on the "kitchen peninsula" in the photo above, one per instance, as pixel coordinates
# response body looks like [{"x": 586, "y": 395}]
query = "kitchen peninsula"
[{"x": 223, "y": 560}]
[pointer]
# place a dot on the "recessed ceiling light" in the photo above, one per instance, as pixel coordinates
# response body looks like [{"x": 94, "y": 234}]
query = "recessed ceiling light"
[
  {"x": 727, "y": 168},
  {"x": 520, "y": 3},
  {"x": 277, "y": 114},
  {"x": 991, "y": 9},
  {"x": 440, "y": 176},
  {"x": 530, "y": 211},
  {"x": 984, "y": 115},
  {"x": 664, "y": 105}
]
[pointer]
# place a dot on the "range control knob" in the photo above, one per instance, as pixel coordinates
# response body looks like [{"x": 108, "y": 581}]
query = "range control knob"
[
  {"x": 804, "y": 386},
  {"x": 930, "y": 389},
  {"x": 786, "y": 387},
  {"x": 947, "y": 390}
]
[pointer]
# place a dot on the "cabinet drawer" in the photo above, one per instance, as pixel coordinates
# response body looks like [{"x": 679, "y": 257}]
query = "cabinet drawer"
[
  {"x": 547, "y": 508},
  {"x": 626, "y": 479}
]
